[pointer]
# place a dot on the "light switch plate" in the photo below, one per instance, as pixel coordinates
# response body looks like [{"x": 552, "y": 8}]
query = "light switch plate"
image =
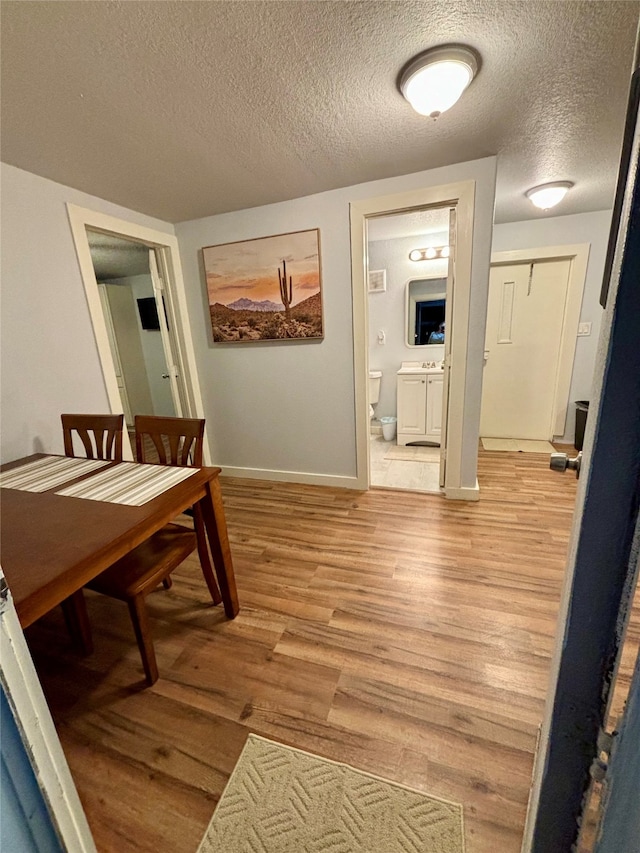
[{"x": 584, "y": 329}]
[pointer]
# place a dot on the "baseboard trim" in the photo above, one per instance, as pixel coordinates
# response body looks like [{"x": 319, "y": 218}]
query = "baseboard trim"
[
  {"x": 463, "y": 493},
  {"x": 292, "y": 477}
]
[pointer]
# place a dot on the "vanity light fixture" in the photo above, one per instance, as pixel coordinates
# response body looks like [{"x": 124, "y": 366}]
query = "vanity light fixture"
[
  {"x": 433, "y": 81},
  {"x": 548, "y": 195},
  {"x": 429, "y": 254}
]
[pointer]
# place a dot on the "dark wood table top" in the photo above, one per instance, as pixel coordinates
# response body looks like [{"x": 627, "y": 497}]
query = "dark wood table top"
[{"x": 52, "y": 545}]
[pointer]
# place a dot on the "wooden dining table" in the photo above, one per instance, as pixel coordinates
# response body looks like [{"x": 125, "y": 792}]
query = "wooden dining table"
[{"x": 51, "y": 544}]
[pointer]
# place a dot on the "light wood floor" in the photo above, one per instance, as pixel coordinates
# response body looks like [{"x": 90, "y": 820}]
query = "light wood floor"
[{"x": 402, "y": 633}]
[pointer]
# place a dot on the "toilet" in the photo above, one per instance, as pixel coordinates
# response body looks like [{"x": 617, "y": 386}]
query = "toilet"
[{"x": 374, "y": 390}]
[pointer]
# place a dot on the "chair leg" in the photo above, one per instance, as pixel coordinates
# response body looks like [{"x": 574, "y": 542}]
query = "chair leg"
[
  {"x": 140, "y": 619},
  {"x": 203, "y": 553},
  {"x": 75, "y": 613},
  {"x": 167, "y": 583}
]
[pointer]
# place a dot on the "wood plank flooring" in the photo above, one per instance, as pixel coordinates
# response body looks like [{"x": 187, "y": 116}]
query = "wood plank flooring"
[{"x": 407, "y": 635}]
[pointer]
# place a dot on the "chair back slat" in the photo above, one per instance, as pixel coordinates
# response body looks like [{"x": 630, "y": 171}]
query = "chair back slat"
[
  {"x": 187, "y": 444},
  {"x": 177, "y": 441},
  {"x": 159, "y": 445},
  {"x": 101, "y": 435}
]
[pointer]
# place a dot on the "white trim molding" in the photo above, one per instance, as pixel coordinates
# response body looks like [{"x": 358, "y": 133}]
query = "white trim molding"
[
  {"x": 33, "y": 720},
  {"x": 291, "y": 477},
  {"x": 80, "y": 219},
  {"x": 461, "y": 196},
  {"x": 463, "y": 494},
  {"x": 578, "y": 255}
]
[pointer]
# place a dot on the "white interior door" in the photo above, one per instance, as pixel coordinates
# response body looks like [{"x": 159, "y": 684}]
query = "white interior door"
[
  {"x": 173, "y": 374},
  {"x": 115, "y": 353},
  {"x": 525, "y": 318}
]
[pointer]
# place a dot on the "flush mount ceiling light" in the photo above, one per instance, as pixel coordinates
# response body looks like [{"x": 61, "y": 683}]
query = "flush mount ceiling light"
[
  {"x": 429, "y": 254},
  {"x": 548, "y": 195},
  {"x": 434, "y": 80}
]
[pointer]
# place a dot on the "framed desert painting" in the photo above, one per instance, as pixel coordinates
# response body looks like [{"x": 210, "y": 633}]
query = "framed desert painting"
[{"x": 265, "y": 289}]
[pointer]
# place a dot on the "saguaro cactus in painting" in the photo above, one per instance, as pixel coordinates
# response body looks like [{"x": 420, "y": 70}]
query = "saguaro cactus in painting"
[{"x": 286, "y": 291}]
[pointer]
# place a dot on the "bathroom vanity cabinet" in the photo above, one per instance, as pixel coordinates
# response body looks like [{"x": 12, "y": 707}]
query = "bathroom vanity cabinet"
[{"x": 419, "y": 393}]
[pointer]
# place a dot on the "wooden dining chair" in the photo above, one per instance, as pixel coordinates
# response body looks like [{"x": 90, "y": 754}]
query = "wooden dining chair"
[
  {"x": 176, "y": 441},
  {"x": 101, "y": 435}
]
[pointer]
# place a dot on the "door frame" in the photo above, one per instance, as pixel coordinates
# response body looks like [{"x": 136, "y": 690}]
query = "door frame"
[
  {"x": 578, "y": 255},
  {"x": 602, "y": 562},
  {"x": 80, "y": 219},
  {"x": 33, "y": 719},
  {"x": 460, "y": 195}
]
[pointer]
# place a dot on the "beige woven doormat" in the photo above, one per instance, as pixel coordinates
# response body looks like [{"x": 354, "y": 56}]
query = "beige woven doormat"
[
  {"x": 518, "y": 445},
  {"x": 283, "y": 800}
]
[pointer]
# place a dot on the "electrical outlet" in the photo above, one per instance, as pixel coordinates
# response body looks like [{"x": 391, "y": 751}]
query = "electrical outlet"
[{"x": 584, "y": 329}]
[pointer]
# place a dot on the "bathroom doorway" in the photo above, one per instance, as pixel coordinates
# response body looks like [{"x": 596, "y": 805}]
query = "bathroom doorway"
[
  {"x": 462, "y": 343},
  {"x": 409, "y": 259}
]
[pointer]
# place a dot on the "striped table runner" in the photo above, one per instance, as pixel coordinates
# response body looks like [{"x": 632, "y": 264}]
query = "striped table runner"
[
  {"x": 48, "y": 472},
  {"x": 129, "y": 483}
]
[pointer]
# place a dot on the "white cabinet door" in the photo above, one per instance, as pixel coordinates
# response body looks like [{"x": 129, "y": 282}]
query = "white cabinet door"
[
  {"x": 435, "y": 388},
  {"x": 412, "y": 408}
]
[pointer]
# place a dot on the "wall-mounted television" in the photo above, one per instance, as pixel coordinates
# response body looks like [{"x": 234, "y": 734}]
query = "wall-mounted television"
[{"x": 148, "y": 311}]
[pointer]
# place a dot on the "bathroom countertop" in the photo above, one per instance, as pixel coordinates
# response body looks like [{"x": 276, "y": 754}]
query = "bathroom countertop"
[{"x": 420, "y": 367}]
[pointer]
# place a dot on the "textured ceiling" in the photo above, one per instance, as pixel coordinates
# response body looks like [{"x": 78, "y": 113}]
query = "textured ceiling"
[
  {"x": 184, "y": 109},
  {"x": 415, "y": 224},
  {"x": 114, "y": 257}
]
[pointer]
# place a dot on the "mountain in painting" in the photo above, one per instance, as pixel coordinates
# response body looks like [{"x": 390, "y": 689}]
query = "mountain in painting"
[{"x": 245, "y": 304}]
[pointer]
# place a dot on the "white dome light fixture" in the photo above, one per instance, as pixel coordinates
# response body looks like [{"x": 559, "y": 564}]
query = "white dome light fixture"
[
  {"x": 548, "y": 195},
  {"x": 433, "y": 81}
]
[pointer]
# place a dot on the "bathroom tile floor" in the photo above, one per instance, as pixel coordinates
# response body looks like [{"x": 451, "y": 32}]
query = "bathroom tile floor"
[{"x": 411, "y": 472}]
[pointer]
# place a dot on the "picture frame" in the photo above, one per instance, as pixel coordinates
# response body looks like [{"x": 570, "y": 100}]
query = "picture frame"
[
  {"x": 265, "y": 288},
  {"x": 377, "y": 281}
]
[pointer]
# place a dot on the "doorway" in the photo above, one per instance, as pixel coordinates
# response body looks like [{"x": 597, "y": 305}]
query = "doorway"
[
  {"x": 134, "y": 313},
  {"x": 409, "y": 255},
  {"x": 459, "y": 433},
  {"x": 532, "y": 323},
  {"x": 135, "y": 293}
]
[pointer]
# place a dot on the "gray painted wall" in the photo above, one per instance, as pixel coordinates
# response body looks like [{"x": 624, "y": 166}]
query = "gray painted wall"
[
  {"x": 290, "y": 406},
  {"x": 49, "y": 357}
]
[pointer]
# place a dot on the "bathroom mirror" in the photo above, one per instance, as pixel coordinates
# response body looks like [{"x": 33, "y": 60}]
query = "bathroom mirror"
[{"x": 425, "y": 304}]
